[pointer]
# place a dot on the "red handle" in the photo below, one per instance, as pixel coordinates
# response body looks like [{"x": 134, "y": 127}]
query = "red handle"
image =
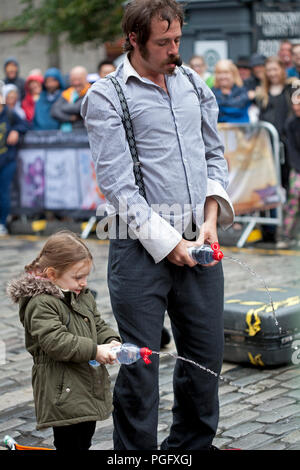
[
  {"x": 218, "y": 255},
  {"x": 145, "y": 353},
  {"x": 215, "y": 246}
]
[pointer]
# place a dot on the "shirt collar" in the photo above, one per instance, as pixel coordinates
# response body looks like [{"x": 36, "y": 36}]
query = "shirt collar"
[{"x": 129, "y": 70}]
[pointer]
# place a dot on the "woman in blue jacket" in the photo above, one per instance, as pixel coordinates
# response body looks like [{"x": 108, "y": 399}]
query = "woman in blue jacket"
[
  {"x": 232, "y": 97},
  {"x": 52, "y": 89}
]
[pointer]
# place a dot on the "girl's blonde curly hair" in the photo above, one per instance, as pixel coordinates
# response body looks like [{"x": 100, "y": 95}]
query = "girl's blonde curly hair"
[{"x": 61, "y": 251}]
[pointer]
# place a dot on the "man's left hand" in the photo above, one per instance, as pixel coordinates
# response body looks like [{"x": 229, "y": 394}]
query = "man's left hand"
[
  {"x": 208, "y": 230},
  {"x": 208, "y": 235}
]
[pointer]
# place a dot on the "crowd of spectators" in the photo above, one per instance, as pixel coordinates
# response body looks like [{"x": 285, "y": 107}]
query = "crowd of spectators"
[
  {"x": 262, "y": 88},
  {"x": 252, "y": 89},
  {"x": 48, "y": 101}
]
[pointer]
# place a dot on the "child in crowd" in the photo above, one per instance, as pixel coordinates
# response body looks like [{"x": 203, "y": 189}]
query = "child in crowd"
[
  {"x": 33, "y": 89},
  {"x": 292, "y": 207},
  {"x": 63, "y": 332},
  {"x": 52, "y": 88},
  {"x": 11, "y": 97},
  {"x": 11, "y": 126}
]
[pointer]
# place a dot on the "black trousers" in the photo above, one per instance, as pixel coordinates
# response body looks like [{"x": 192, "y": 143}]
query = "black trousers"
[
  {"x": 141, "y": 291},
  {"x": 74, "y": 436}
]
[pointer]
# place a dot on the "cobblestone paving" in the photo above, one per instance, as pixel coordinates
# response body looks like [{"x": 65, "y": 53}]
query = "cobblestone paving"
[{"x": 259, "y": 408}]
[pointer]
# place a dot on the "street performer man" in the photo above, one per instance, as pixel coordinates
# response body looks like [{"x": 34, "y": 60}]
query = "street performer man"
[{"x": 179, "y": 165}]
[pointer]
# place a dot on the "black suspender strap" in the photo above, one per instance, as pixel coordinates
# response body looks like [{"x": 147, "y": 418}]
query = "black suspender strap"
[
  {"x": 192, "y": 82},
  {"x": 127, "y": 123}
]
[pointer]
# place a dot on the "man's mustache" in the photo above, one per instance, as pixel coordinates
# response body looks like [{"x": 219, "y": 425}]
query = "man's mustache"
[{"x": 176, "y": 59}]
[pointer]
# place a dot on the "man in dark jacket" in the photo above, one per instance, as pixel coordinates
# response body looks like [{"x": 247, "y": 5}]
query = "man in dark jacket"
[
  {"x": 257, "y": 65},
  {"x": 11, "y": 70},
  {"x": 67, "y": 108}
]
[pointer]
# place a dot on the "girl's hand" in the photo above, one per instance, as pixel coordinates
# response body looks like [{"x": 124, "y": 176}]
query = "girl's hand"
[{"x": 105, "y": 355}]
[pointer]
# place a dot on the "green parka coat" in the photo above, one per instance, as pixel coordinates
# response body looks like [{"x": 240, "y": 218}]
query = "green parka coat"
[{"x": 62, "y": 331}]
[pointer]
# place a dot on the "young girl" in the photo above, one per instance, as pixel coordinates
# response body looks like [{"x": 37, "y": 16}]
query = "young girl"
[{"x": 63, "y": 332}]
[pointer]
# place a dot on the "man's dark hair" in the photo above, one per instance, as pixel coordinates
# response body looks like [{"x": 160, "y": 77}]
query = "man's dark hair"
[
  {"x": 104, "y": 62},
  {"x": 139, "y": 14}
]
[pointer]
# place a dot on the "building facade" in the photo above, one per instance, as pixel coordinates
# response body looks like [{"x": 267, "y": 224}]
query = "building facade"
[
  {"x": 221, "y": 29},
  {"x": 214, "y": 28}
]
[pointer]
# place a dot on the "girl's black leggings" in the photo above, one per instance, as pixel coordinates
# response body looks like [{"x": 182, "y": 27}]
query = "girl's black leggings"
[{"x": 74, "y": 436}]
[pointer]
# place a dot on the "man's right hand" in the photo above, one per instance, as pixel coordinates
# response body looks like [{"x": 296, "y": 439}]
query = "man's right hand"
[{"x": 180, "y": 256}]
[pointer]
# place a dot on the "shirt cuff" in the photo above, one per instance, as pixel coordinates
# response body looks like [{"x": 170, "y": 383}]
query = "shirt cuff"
[
  {"x": 158, "y": 237},
  {"x": 226, "y": 211}
]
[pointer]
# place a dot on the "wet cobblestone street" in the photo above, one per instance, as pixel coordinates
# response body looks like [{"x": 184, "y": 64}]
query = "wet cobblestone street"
[{"x": 259, "y": 410}]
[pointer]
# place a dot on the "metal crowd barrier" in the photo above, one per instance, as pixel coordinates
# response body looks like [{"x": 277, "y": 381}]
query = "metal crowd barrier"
[{"x": 251, "y": 220}]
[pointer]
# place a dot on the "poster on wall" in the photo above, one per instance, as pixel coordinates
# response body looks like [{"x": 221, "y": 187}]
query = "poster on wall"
[
  {"x": 57, "y": 172},
  {"x": 253, "y": 181},
  {"x": 91, "y": 195},
  {"x": 31, "y": 176},
  {"x": 212, "y": 51},
  {"x": 61, "y": 183}
]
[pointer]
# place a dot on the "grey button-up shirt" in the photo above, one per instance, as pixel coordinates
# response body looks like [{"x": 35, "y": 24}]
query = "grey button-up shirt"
[{"x": 179, "y": 148}]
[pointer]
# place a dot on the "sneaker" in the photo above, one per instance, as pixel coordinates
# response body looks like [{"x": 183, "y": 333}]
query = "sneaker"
[
  {"x": 3, "y": 230},
  {"x": 286, "y": 243}
]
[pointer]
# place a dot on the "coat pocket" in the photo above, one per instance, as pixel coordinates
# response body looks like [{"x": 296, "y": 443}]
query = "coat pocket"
[
  {"x": 101, "y": 383},
  {"x": 64, "y": 386}
]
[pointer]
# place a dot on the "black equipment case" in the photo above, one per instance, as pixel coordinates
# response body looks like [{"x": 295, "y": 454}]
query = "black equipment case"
[{"x": 251, "y": 333}]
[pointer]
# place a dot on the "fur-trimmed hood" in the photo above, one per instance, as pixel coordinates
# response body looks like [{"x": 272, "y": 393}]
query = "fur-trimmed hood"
[
  {"x": 23, "y": 288},
  {"x": 29, "y": 285}
]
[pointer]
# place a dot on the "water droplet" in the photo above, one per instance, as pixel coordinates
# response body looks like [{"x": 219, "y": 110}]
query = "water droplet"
[{"x": 205, "y": 369}]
